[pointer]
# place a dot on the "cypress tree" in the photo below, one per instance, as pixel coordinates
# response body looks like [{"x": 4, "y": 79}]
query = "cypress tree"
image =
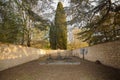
[
  {"x": 58, "y": 32},
  {"x": 52, "y": 35}
]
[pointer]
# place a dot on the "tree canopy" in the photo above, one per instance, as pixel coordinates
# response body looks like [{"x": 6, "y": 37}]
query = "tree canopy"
[
  {"x": 98, "y": 19},
  {"x": 17, "y": 19}
]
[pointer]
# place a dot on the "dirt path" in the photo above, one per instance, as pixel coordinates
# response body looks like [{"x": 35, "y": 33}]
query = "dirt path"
[{"x": 83, "y": 71}]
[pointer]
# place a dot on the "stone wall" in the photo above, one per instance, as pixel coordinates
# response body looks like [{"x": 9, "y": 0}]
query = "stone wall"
[
  {"x": 13, "y": 55},
  {"x": 106, "y": 53},
  {"x": 55, "y": 53}
]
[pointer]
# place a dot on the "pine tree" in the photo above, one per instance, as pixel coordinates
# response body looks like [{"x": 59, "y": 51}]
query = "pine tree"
[{"x": 58, "y": 32}]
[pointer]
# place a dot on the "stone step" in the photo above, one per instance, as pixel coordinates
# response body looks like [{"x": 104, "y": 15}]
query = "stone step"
[{"x": 59, "y": 63}]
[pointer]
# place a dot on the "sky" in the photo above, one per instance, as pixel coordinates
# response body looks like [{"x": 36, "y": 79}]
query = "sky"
[{"x": 65, "y": 2}]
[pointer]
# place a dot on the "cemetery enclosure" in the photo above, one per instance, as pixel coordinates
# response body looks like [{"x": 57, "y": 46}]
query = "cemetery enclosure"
[
  {"x": 106, "y": 53},
  {"x": 13, "y": 55}
]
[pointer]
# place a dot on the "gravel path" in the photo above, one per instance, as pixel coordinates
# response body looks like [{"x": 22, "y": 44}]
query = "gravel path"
[{"x": 84, "y": 71}]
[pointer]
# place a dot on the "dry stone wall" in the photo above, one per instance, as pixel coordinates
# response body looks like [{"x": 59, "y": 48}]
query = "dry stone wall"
[
  {"x": 62, "y": 53},
  {"x": 106, "y": 53},
  {"x": 13, "y": 55}
]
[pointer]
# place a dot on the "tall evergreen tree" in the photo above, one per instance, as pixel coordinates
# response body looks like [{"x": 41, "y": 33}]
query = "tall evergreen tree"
[
  {"x": 58, "y": 32},
  {"x": 52, "y": 36}
]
